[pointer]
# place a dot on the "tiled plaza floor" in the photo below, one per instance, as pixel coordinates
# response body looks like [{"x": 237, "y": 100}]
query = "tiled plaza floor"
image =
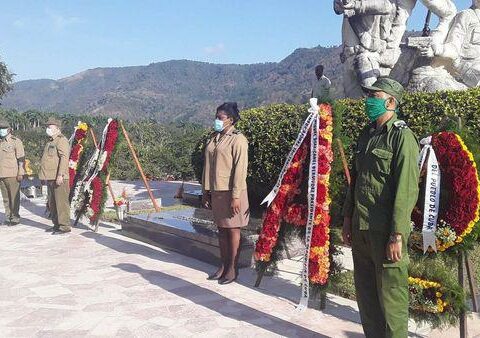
[{"x": 105, "y": 284}]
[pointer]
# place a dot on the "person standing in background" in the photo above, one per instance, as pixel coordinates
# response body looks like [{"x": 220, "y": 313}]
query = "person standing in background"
[
  {"x": 321, "y": 89},
  {"x": 224, "y": 187},
  {"x": 54, "y": 170},
  {"x": 12, "y": 159}
]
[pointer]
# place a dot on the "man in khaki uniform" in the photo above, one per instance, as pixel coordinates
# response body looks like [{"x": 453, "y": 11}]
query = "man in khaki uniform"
[
  {"x": 54, "y": 170},
  {"x": 12, "y": 159}
]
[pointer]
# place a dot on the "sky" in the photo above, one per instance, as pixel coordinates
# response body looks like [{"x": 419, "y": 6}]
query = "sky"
[{"x": 57, "y": 38}]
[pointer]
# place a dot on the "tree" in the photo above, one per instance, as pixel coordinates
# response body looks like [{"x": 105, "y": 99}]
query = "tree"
[
  {"x": 6, "y": 79},
  {"x": 35, "y": 118}
]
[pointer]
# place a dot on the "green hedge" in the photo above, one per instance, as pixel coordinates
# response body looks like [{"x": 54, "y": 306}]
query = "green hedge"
[
  {"x": 424, "y": 112},
  {"x": 271, "y": 131}
]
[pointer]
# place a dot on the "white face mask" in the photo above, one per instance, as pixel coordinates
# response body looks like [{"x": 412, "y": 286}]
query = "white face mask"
[{"x": 50, "y": 132}]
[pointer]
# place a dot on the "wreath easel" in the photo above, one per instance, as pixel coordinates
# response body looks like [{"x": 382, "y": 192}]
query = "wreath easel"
[{"x": 98, "y": 165}]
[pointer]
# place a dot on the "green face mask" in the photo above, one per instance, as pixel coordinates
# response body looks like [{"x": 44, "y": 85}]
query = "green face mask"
[{"x": 375, "y": 107}]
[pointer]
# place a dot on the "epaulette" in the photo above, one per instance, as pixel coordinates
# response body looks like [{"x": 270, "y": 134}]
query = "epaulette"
[
  {"x": 400, "y": 124},
  {"x": 234, "y": 132}
]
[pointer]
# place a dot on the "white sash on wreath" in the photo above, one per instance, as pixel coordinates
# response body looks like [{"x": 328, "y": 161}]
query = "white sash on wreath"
[
  {"x": 432, "y": 194},
  {"x": 311, "y": 124}
]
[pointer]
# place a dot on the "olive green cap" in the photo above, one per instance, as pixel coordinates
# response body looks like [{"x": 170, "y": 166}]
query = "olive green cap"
[
  {"x": 387, "y": 85},
  {"x": 53, "y": 121},
  {"x": 4, "y": 124}
]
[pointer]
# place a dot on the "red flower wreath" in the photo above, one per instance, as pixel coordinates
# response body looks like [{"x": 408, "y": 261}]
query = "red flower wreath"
[
  {"x": 76, "y": 152},
  {"x": 460, "y": 199},
  {"x": 283, "y": 209}
]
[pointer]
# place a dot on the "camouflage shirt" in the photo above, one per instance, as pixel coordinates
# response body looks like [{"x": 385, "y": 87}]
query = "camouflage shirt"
[{"x": 385, "y": 174}]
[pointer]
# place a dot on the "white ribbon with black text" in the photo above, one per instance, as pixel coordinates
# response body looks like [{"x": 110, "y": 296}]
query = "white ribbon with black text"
[
  {"x": 432, "y": 194},
  {"x": 311, "y": 124},
  {"x": 298, "y": 142},
  {"x": 312, "y": 203}
]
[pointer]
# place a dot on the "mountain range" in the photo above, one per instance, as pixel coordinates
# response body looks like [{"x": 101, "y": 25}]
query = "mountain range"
[{"x": 179, "y": 90}]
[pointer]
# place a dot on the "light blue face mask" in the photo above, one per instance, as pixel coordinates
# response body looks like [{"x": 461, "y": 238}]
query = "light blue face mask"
[
  {"x": 218, "y": 125},
  {"x": 3, "y": 133}
]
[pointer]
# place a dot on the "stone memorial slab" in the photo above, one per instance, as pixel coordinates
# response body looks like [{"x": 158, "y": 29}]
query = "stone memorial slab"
[
  {"x": 189, "y": 231},
  {"x": 193, "y": 198},
  {"x": 142, "y": 204}
]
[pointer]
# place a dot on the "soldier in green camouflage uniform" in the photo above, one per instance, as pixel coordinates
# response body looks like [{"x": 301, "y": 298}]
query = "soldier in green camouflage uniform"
[{"x": 377, "y": 212}]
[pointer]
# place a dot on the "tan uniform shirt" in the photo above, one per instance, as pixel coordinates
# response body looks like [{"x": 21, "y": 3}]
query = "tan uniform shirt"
[
  {"x": 12, "y": 157},
  {"x": 54, "y": 161},
  {"x": 226, "y": 163}
]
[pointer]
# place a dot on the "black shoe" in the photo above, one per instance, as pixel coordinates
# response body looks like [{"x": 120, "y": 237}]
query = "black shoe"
[
  {"x": 225, "y": 281},
  {"x": 50, "y": 229},
  {"x": 214, "y": 277},
  {"x": 59, "y": 232},
  {"x": 11, "y": 224}
]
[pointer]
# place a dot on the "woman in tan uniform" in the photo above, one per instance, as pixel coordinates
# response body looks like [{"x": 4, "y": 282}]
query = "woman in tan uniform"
[{"x": 225, "y": 187}]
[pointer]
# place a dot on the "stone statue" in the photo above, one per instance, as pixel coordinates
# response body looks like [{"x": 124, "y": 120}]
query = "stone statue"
[
  {"x": 445, "y": 10},
  {"x": 461, "y": 48},
  {"x": 372, "y": 31},
  {"x": 364, "y": 33}
]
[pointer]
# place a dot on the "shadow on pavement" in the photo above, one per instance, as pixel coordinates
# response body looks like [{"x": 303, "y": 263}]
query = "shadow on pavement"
[
  {"x": 289, "y": 291},
  {"x": 39, "y": 210},
  {"x": 220, "y": 304}
]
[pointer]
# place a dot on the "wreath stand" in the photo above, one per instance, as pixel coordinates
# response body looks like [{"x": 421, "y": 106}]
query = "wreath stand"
[
  {"x": 263, "y": 269},
  {"x": 464, "y": 263},
  {"x": 107, "y": 180}
]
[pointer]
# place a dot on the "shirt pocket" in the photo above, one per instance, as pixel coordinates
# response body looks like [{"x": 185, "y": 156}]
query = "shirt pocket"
[
  {"x": 382, "y": 159},
  {"x": 51, "y": 151},
  {"x": 10, "y": 159},
  {"x": 224, "y": 173},
  {"x": 223, "y": 180},
  {"x": 475, "y": 38}
]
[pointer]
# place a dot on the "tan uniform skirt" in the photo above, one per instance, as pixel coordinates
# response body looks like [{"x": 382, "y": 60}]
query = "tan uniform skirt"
[{"x": 222, "y": 212}]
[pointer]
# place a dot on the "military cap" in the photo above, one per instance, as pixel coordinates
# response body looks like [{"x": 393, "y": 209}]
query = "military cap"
[
  {"x": 387, "y": 85},
  {"x": 4, "y": 124},
  {"x": 53, "y": 121}
]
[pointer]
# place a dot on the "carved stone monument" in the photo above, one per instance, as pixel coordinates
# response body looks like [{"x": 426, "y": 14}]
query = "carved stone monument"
[
  {"x": 454, "y": 62},
  {"x": 372, "y": 33}
]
